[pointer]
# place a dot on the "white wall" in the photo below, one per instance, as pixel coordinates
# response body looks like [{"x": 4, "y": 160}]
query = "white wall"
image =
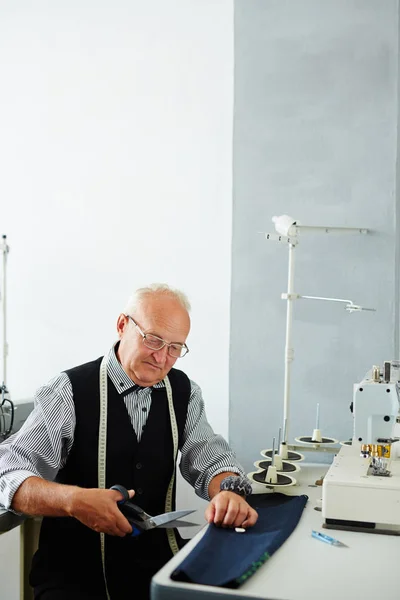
[
  {"x": 116, "y": 122},
  {"x": 115, "y": 153},
  {"x": 316, "y": 121}
]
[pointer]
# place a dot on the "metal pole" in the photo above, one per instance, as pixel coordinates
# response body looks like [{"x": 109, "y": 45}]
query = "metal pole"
[
  {"x": 288, "y": 344},
  {"x": 273, "y": 453},
  {"x": 5, "y": 249}
]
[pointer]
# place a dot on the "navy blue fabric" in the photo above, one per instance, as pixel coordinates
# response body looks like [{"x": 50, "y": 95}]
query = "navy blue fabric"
[{"x": 226, "y": 558}]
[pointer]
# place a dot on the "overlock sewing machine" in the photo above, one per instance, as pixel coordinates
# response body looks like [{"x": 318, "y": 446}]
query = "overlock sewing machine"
[{"x": 361, "y": 490}]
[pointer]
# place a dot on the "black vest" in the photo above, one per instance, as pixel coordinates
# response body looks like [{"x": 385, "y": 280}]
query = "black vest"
[{"x": 69, "y": 551}]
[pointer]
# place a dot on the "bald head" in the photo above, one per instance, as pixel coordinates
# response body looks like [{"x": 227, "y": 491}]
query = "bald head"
[
  {"x": 161, "y": 312},
  {"x": 156, "y": 289}
]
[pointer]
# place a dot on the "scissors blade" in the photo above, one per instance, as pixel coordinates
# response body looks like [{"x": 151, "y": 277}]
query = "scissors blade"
[
  {"x": 178, "y": 523},
  {"x": 165, "y": 518}
]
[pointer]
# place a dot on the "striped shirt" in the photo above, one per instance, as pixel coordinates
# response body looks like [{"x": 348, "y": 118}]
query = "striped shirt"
[{"x": 41, "y": 447}]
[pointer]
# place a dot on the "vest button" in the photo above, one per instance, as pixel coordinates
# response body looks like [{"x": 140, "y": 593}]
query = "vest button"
[
  {"x": 139, "y": 491},
  {"x": 139, "y": 465}
]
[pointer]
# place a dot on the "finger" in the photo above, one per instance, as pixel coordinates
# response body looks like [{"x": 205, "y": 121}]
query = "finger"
[
  {"x": 115, "y": 532},
  {"x": 118, "y": 496},
  {"x": 126, "y": 530},
  {"x": 251, "y": 519},
  {"x": 231, "y": 514},
  {"x": 100, "y": 527},
  {"x": 209, "y": 513},
  {"x": 221, "y": 506},
  {"x": 119, "y": 526},
  {"x": 241, "y": 515},
  {"x": 122, "y": 524},
  {"x": 122, "y": 490}
]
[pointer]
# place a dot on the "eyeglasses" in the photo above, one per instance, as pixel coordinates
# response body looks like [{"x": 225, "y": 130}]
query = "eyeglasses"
[{"x": 156, "y": 343}]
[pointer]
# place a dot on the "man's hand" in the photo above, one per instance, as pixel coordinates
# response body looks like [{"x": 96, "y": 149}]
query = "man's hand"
[
  {"x": 228, "y": 509},
  {"x": 95, "y": 508},
  {"x": 98, "y": 509}
]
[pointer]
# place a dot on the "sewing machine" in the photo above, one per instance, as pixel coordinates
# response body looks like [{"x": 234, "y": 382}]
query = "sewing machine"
[
  {"x": 353, "y": 498},
  {"x": 361, "y": 490}
]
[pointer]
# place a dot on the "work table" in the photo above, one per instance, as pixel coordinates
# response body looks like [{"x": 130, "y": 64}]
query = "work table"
[
  {"x": 304, "y": 568},
  {"x": 29, "y": 531},
  {"x": 301, "y": 569},
  {"x": 9, "y": 520}
]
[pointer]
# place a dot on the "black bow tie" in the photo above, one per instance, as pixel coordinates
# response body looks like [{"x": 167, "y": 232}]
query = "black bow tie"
[{"x": 131, "y": 389}]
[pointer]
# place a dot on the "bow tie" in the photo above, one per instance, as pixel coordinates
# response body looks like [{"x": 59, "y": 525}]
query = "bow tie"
[{"x": 131, "y": 389}]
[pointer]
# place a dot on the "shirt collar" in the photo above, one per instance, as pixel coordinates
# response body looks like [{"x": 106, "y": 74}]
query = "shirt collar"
[{"x": 121, "y": 381}]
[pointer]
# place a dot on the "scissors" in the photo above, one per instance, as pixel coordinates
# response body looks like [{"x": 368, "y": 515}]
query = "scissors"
[{"x": 141, "y": 521}]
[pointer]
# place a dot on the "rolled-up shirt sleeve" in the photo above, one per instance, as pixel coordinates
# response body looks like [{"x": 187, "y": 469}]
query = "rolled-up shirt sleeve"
[
  {"x": 205, "y": 454},
  {"x": 40, "y": 448}
]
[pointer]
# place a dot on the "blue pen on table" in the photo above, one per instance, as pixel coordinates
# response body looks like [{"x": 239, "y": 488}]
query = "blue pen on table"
[{"x": 327, "y": 539}]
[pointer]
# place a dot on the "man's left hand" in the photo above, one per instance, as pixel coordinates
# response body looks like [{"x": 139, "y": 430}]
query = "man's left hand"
[{"x": 228, "y": 509}]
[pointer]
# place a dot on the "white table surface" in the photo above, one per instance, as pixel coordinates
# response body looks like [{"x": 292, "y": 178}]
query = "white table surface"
[
  {"x": 9, "y": 520},
  {"x": 304, "y": 568}
]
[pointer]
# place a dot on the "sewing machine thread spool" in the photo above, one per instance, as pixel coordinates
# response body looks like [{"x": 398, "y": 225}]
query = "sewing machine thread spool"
[
  {"x": 316, "y": 436},
  {"x": 285, "y": 454},
  {"x": 271, "y": 475},
  {"x": 287, "y": 467},
  {"x": 277, "y": 458},
  {"x": 376, "y": 373},
  {"x": 283, "y": 450}
]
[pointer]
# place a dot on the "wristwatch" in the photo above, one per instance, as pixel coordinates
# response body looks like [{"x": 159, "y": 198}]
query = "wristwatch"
[{"x": 237, "y": 484}]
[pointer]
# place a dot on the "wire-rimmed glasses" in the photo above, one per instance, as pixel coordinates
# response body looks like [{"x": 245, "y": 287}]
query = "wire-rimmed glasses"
[{"x": 156, "y": 343}]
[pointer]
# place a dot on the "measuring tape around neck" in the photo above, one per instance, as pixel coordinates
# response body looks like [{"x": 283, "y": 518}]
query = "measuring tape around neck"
[
  {"x": 101, "y": 468},
  {"x": 168, "y": 500},
  {"x": 101, "y": 460}
]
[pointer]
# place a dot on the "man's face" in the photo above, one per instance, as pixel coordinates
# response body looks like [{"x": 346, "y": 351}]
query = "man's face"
[{"x": 162, "y": 316}]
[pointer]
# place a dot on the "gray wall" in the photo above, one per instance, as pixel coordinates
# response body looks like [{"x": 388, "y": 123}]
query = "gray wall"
[{"x": 315, "y": 124}]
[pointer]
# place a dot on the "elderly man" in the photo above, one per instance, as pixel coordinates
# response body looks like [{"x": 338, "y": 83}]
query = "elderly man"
[{"x": 118, "y": 420}]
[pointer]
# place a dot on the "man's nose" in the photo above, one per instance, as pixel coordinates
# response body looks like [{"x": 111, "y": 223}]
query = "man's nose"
[{"x": 161, "y": 355}]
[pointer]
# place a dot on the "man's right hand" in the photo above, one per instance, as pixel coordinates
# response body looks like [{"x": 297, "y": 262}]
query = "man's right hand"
[{"x": 98, "y": 509}]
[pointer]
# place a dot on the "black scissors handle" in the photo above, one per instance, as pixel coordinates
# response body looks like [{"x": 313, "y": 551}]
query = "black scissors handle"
[
  {"x": 136, "y": 516},
  {"x": 124, "y": 492}
]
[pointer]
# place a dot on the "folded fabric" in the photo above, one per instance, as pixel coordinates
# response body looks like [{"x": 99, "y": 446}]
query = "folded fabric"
[{"x": 226, "y": 558}]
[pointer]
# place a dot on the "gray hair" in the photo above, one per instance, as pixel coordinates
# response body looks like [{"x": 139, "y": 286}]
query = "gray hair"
[{"x": 159, "y": 289}]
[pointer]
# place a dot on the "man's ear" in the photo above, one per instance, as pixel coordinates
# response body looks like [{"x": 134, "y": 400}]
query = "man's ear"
[{"x": 122, "y": 323}]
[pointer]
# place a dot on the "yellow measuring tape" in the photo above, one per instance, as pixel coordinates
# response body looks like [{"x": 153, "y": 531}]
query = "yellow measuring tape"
[
  {"x": 101, "y": 471},
  {"x": 101, "y": 464},
  {"x": 168, "y": 500}
]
